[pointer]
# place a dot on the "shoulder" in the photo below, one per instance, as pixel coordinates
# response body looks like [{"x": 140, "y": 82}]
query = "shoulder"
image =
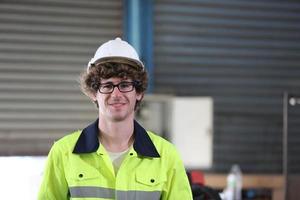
[
  {"x": 158, "y": 139},
  {"x": 163, "y": 146},
  {"x": 169, "y": 155},
  {"x": 67, "y": 142}
]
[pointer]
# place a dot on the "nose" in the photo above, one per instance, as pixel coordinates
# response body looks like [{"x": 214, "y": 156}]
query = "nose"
[{"x": 116, "y": 91}]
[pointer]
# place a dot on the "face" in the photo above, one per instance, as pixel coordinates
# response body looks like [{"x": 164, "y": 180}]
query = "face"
[{"x": 116, "y": 106}]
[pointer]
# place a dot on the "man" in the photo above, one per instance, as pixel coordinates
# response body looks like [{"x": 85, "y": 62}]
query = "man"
[{"x": 114, "y": 157}]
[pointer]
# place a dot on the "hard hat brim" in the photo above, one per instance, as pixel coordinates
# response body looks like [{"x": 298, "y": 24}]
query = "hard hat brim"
[{"x": 118, "y": 59}]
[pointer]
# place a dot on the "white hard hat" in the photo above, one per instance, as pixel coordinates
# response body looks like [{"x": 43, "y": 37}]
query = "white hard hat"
[{"x": 115, "y": 50}]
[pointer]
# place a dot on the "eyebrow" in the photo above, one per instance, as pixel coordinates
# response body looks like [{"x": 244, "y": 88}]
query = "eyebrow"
[{"x": 110, "y": 82}]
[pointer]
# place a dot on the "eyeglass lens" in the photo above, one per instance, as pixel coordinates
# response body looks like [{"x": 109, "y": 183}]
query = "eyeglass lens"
[{"x": 123, "y": 86}]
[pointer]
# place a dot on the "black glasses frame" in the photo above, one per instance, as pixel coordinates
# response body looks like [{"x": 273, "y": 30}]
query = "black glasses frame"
[{"x": 132, "y": 85}]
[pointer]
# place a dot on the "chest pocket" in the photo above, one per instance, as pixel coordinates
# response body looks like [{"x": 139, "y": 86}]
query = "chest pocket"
[
  {"x": 82, "y": 172},
  {"x": 87, "y": 185},
  {"x": 84, "y": 178},
  {"x": 149, "y": 185},
  {"x": 148, "y": 180}
]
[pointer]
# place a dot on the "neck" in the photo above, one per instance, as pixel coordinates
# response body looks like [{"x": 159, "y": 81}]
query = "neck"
[{"x": 116, "y": 136}]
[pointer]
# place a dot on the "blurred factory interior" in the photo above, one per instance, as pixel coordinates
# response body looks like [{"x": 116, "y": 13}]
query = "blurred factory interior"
[{"x": 224, "y": 81}]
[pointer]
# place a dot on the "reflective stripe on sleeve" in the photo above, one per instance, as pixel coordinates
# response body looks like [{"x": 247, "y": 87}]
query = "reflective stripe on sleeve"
[{"x": 100, "y": 192}]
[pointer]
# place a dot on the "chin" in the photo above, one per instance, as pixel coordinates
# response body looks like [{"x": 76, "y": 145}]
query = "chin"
[{"x": 117, "y": 118}]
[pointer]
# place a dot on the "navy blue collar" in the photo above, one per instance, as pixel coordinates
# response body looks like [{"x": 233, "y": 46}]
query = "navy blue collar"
[{"x": 88, "y": 141}]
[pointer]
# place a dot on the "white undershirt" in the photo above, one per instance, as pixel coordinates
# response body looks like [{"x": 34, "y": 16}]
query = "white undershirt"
[{"x": 117, "y": 158}]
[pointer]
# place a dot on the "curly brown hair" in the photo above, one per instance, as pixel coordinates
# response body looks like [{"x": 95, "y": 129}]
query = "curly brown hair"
[{"x": 90, "y": 80}]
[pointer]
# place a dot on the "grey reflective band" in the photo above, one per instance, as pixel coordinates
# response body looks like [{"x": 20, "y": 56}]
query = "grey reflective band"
[
  {"x": 90, "y": 192},
  {"x": 107, "y": 193},
  {"x": 138, "y": 195}
]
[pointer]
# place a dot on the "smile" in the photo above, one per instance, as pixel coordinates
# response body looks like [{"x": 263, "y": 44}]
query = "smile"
[{"x": 117, "y": 104}]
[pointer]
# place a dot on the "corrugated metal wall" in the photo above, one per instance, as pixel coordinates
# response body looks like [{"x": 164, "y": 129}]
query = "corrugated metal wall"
[
  {"x": 242, "y": 53},
  {"x": 44, "y": 46}
]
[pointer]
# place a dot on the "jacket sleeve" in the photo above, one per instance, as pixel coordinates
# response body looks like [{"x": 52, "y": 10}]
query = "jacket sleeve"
[
  {"x": 178, "y": 186},
  {"x": 54, "y": 185}
]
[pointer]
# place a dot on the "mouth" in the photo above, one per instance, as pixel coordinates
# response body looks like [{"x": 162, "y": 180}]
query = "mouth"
[{"x": 117, "y": 105}]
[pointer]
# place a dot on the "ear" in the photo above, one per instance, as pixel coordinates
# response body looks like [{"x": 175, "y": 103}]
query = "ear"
[
  {"x": 139, "y": 96},
  {"x": 93, "y": 96}
]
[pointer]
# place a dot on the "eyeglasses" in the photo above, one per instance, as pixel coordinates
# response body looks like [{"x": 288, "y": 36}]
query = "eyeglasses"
[{"x": 124, "y": 86}]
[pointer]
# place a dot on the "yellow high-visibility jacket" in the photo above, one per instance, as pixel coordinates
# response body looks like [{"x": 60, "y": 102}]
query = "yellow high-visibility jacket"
[{"x": 79, "y": 168}]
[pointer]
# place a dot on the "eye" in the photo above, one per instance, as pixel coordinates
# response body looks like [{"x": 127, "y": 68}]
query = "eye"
[
  {"x": 125, "y": 85},
  {"x": 106, "y": 87}
]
